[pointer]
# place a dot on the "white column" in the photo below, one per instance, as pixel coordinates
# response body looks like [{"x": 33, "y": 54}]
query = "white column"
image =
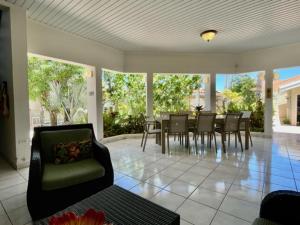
[
  {"x": 213, "y": 99},
  {"x": 149, "y": 94},
  {"x": 94, "y": 105},
  {"x": 268, "y": 120},
  {"x": 207, "y": 97}
]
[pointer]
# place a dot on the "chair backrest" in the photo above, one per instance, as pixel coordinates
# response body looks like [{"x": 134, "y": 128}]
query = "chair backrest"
[
  {"x": 205, "y": 111},
  {"x": 178, "y": 123},
  {"x": 47, "y": 137},
  {"x": 164, "y": 115},
  {"x": 206, "y": 122},
  {"x": 189, "y": 113},
  {"x": 246, "y": 114},
  {"x": 232, "y": 122}
]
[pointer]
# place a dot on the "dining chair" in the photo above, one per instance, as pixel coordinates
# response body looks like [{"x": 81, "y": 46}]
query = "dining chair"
[
  {"x": 205, "y": 124},
  {"x": 246, "y": 115},
  {"x": 189, "y": 113},
  {"x": 149, "y": 128},
  {"x": 178, "y": 125},
  {"x": 231, "y": 125}
]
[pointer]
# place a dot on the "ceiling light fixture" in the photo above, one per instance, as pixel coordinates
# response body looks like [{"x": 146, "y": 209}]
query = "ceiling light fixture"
[{"x": 208, "y": 35}]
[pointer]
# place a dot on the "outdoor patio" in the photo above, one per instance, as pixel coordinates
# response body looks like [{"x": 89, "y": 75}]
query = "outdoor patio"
[{"x": 204, "y": 188}]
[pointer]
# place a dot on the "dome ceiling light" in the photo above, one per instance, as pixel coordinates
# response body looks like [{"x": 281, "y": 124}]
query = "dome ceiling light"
[{"x": 208, "y": 35}]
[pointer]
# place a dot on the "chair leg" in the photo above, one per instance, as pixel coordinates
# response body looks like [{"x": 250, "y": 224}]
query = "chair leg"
[
  {"x": 240, "y": 140},
  {"x": 250, "y": 139},
  {"x": 143, "y": 139},
  {"x": 168, "y": 142},
  {"x": 214, "y": 134},
  {"x": 235, "y": 140},
  {"x": 186, "y": 140},
  {"x": 223, "y": 142},
  {"x": 146, "y": 136},
  {"x": 195, "y": 139},
  {"x": 228, "y": 139}
]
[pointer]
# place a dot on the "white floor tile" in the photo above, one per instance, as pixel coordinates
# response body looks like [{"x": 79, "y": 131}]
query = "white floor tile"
[
  {"x": 127, "y": 182},
  {"x": 160, "y": 180},
  {"x": 181, "y": 188},
  {"x": 145, "y": 190},
  {"x": 196, "y": 213},
  {"x": 168, "y": 200},
  {"x": 245, "y": 193},
  {"x": 207, "y": 197},
  {"x": 240, "y": 208},
  {"x": 215, "y": 185},
  {"x": 226, "y": 219},
  {"x": 4, "y": 220}
]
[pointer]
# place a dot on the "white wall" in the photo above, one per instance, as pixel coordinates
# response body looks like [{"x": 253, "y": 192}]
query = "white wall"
[
  {"x": 51, "y": 42},
  {"x": 269, "y": 58},
  {"x": 179, "y": 63},
  {"x": 16, "y": 128},
  {"x": 7, "y": 126}
]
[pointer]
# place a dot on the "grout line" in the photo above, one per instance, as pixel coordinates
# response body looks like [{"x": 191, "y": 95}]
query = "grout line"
[
  {"x": 292, "y": 168},
  {"x": 225, "y": 196},
  {"x": 1, "y": 204}
]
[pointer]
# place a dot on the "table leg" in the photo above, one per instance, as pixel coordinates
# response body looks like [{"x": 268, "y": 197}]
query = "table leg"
[
  {"x": 163, "y": 139},
  {"x": 247, "y": 134}
]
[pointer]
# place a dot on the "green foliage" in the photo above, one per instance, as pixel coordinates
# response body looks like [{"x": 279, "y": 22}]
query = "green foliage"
[
  {"x": 245, "y": 87},
  {"x": 124, "y": 98},
  {"x": 242, "y": 97},
  {"x": 171, "y": 92},
  {"x": 257, "y": 119},
  {"x": 125, "y": 93},
  {"x": 115, "y": 124},
  {"x": 59, "y": 87}
]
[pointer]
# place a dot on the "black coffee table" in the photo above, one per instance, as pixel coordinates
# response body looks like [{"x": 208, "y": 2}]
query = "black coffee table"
[{"x": 123, "y": 208}]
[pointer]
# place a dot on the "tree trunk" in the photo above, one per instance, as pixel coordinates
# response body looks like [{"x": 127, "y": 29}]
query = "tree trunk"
[
  {"x": 53, "y": 118},
  {"x": 66, "y": 116}
]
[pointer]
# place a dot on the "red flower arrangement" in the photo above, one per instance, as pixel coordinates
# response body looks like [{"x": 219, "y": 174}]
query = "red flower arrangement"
[{"x": 91, "y": 217}]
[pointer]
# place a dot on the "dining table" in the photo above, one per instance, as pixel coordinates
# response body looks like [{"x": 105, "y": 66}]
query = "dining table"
[{"x": 163, "y": 121}]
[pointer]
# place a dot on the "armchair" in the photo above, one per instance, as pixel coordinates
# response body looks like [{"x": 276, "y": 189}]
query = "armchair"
[
  {"x": 53, "y": 187},
  {"x": 279, "y": 208}
]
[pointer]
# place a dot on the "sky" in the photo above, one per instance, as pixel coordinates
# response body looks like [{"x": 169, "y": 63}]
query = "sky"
[
  {"x": 221, "y": 79},
  {"x": 283, "y": 75}
]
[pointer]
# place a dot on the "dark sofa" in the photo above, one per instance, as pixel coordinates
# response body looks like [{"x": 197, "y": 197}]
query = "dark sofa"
[{"x": 52, "y": 187}]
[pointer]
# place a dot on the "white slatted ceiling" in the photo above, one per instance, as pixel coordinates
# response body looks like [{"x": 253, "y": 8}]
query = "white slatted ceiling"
[{"x": 173, "y": 25}]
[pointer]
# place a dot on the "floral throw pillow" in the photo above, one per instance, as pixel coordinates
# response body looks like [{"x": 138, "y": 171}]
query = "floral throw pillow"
[{"x": 73, "y": 151}]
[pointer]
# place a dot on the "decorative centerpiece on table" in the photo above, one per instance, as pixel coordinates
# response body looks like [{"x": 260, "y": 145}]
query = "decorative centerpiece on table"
[
  {"x": 198, "y": 109},
  {"x": 91, "y": 217}
]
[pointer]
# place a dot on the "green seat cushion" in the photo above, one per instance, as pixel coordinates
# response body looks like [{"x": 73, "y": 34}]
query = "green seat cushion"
[
  {"x": 261, "y": 221},
  {"x": 51, "y": 138},
  {"x": 69, "y": 174}
]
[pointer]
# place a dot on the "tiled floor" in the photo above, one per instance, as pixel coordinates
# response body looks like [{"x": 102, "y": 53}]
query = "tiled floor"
[{"x": 203, "y": 187}]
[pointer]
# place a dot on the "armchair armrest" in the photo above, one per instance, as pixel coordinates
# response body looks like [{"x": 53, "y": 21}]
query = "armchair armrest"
[
  {"x": 35, "y": 169},
  {"x": 282, "y": 207},
  {"x": 102, "y": 155}
]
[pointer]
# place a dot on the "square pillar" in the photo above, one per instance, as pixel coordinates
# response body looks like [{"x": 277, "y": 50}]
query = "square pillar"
[
  {"x": 149, "y": 94},
  {"x": 94, "y": 102},
  {"x": 213, "y": 98},
  {"x": 207, "y": 88},
  {"x": 268, "y": 114}
]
